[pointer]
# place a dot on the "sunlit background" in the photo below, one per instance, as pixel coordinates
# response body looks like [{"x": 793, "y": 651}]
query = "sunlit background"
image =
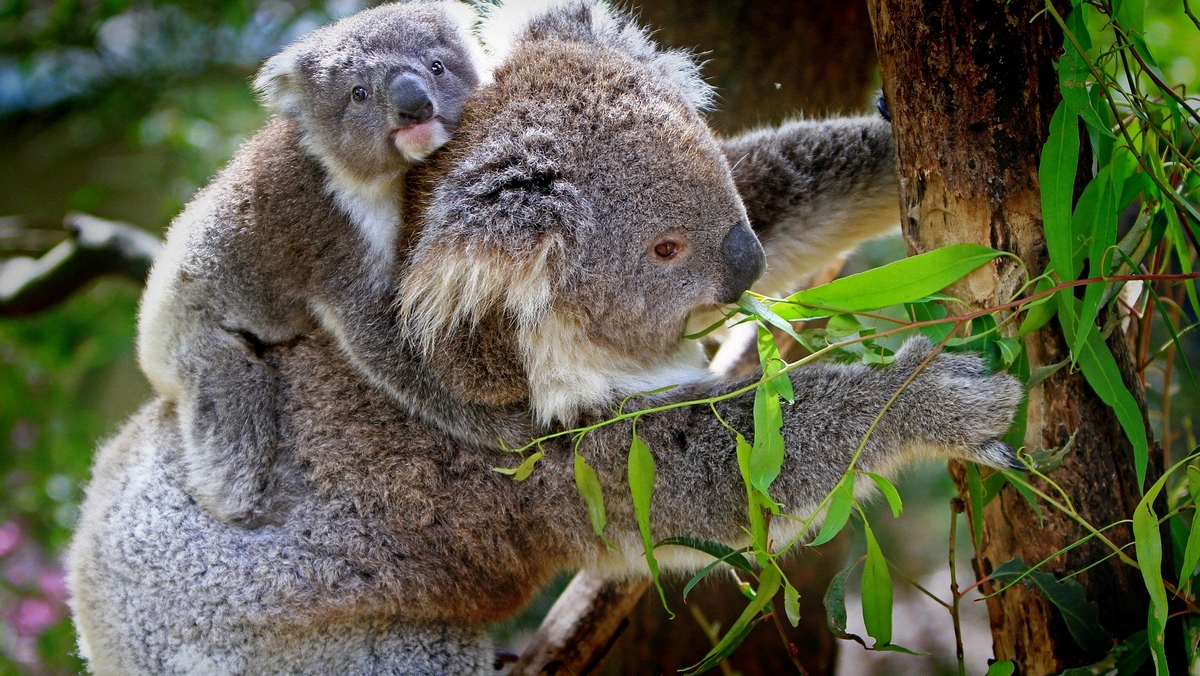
[{"x": 123, "y": 110}]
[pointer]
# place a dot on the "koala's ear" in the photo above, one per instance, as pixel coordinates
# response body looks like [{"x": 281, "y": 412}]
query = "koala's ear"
[
  {"x": 595, "y": 22},
  {"x": 278, "y": 82}
]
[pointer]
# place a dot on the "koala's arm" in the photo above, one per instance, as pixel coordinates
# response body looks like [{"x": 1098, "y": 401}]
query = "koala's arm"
[
  {"x": 358, "y": 310},
  {"x": 813, "y": 189},
  {"x": 951, "y": 409}
]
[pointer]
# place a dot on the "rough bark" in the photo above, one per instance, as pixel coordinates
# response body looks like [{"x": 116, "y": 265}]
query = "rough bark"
[
  {"x": 581, "y": 627},
  {"x": 971, "y": 87}
]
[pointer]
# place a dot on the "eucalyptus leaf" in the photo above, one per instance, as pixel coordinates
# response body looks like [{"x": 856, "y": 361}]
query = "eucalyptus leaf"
[
  {"x": 1100, "y": 369},
  {"x": 1124, "y": 660},
  {"x": 838, "y": 512},
  {"x": 876, "y": 592},
  {"x": 904, "y": 281},
  {"x": 889, "y": 492},
  {"x": 641, "y": 487},
  {"x": 791, "y": 603},
  {"x": 768, "y": 584},
  {"x": 766, "y": 457},
  {"x": 720, "y": 551},
  {"x": 589, "y": 487},
  {"x": 521, "y": 472}
]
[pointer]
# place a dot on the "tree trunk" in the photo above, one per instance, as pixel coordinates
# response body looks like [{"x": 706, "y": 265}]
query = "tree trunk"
[{"x": 971, "y": 87}]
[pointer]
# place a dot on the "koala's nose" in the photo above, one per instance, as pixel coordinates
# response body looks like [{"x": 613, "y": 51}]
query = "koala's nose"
[
  {"x": 411, "y": 99},
  {"x": 745, "y": 260}
]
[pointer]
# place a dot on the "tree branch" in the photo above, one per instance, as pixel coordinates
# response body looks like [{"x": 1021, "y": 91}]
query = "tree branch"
[{"x": 96, "y": 248}]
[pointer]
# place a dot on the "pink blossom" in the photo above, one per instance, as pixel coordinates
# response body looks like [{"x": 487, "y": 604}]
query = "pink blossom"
[
  {"x": 33, "y": 616},
  {"x": 52, "y": 584},
  {"x": 10, "y": 537}
]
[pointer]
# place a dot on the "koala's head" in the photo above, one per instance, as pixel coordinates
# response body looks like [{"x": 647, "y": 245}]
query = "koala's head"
[
  {"x": 586, "y": 199},
  {"x": 379, "y": 90}
]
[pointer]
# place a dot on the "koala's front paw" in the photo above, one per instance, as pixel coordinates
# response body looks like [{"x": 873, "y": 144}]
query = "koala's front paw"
[{"x": 955, "y": 404}]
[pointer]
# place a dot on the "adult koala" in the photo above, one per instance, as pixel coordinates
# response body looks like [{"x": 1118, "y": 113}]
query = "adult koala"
[{"x": 535, "y": 245}]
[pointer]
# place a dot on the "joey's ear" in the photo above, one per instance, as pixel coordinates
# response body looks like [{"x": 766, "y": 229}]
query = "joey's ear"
[
  {"x": 278, "y": 82},
  {"x": 517, "y": 22}
]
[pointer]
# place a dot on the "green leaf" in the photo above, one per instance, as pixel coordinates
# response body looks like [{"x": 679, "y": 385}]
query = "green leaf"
[
  {"x": 733, "y": 558},
  {"x": 1041, "y": 373},
  {"x": 521, "y": 472},
  {"x": 772, "y": 364},
  {"x": 1100, "y": 369},
  {"x": 589, "y": 487},
  {"x": 768, "y": 585},
  {"x": 1130, "y": 14},
  {"x": 752, "y": 306},
  {"x": 1039, "y": 313},
  {"x": 758, "y": 527},
  {"x": 1148, "y": 545},
  {"x": 1010, "y": 349},
  {"x": 641, "y": 487},
  {"x": 889, "y": 491},
  {"x": 1056, "y": 173},
  {"x": 905, "y": 281},
  {"x": 714, "y": 549},
  {"x": 1124, "y": 660},
  {"x": 1103, "y": 235},
  {"x": 1081, "y": 615},
  {"x": 975, "y": 494},
  {"x": 791, "y": 602},
  {"x": 1191, "y": 553},
  {"x": 835, "y": 605},
  {"x": 930, "y": 311},
  {"x": 876, "y": 592},
  {"x": 1001, "y": 668},
  {"x": 766, "y": 457},
  {"x": 839, "y": 511}
]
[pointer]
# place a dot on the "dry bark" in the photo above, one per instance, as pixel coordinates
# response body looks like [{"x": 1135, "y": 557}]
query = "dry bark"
[{"x": 971, "y": 87}]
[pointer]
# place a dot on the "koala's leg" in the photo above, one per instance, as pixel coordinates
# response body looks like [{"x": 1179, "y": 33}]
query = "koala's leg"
[
  {"x": 952, "y": 408},
  {"x": 227, "y": 412},
  {"x": 813, "y": 189}
]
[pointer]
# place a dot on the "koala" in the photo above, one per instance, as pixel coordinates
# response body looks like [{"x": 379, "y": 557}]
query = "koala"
[
  {"x": 301, "y": 231},
  {"x": 581, "y": 214}
]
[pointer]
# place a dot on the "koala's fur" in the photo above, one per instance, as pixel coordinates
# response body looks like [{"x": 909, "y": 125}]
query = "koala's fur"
[
  {"x": 402, "y": 543},
  {"x": 300, "y": 231}
]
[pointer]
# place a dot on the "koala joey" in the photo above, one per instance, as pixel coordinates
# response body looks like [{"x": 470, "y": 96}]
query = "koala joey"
[{"x": 300, "y": 230}]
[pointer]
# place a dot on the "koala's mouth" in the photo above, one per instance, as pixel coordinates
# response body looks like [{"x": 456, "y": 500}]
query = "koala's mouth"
[{"x": 417, "y": 141}]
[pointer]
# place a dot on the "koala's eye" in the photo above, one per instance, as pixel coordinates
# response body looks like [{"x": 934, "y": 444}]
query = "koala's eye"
[
  {"x": 666, "y": 250},
  {"x": 437, "y": 68},
  {"x": 359, "y": 94}
]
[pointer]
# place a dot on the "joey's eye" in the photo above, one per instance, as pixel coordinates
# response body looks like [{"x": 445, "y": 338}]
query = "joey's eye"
[
  {"x": 437, "y": 68},
  {"x": 666, "y": 250},
  {"x": 359, "y": 94}
]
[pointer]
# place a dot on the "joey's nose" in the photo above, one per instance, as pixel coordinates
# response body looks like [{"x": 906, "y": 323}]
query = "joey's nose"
[
  {"x": 745, "y": 260},
  {"x": 410, "y": 99}
]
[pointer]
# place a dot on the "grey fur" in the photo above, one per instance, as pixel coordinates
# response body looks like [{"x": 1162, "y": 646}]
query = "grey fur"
[
  {"x": 402, "y": 542},
  {"x": 299, "y": 231}
]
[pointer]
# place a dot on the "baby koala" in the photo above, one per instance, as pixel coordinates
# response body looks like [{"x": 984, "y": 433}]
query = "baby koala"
[{"x": 298, "y": 232}]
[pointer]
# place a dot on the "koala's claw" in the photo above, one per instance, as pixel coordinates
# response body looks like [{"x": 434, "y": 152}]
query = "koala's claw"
[{"x": 996, "y": 453}]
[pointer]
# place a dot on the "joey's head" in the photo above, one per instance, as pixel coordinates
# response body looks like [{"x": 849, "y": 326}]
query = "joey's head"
[
  {"x": 586, "y": 199},
  {"x": 379, "y": 90}
]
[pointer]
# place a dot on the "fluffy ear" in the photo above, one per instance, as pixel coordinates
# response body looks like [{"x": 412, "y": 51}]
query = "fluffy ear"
[
  {"x": 594, "y": 22},
  {"x": 277, "y": 83},
  {"x": 496, "y": 236}
]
